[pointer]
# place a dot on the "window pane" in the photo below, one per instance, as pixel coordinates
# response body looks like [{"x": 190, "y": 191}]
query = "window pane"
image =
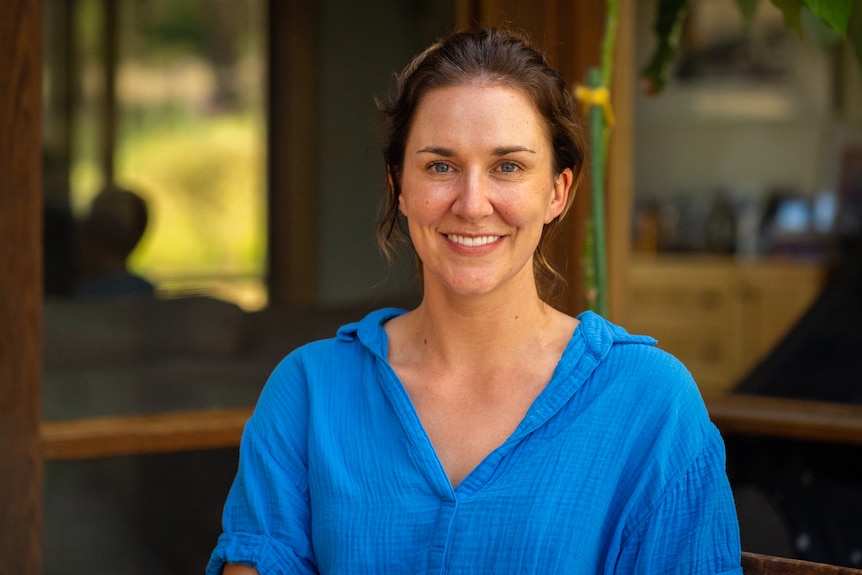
[
  {"x": 136, "y": 515},
  {"x": 189, "y": 138},
  {"x": 163, "y": 197}
]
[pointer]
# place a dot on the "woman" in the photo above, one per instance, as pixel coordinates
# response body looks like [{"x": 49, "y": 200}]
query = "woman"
[{"x": 483, "y": 431}]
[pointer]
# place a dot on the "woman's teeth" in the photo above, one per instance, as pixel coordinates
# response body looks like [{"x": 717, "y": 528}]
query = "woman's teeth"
[{"x": 472, "y": 242}]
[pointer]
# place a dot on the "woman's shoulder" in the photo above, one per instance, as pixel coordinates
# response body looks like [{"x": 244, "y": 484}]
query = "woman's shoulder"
[
  {"x": 653, "y": 395},
  {"x": 638, "y": 373},
  {"x": 367, "y": 332},
  {"x": 332, "y": 358},
  {"x": 322, "y": 368},
  {"x": 638, "y": 355}
]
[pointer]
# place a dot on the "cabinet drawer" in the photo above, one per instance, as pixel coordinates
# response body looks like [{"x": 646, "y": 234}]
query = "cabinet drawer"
[
  {"x": 718, "y": 315},
  {"x": 706, "y": 350}
]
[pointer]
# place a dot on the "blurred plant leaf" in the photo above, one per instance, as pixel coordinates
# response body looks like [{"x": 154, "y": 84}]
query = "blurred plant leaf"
[
  {"x": 842, "y": 17},
  {"x": 823, "y": 35},
  {"x": 669, "y": 18},
  {"x": 834, "y": 13},
  {"x": 854, "y": 31},
  {"x": 792, "y": 11},
  {"x": 747, "y": 8}
]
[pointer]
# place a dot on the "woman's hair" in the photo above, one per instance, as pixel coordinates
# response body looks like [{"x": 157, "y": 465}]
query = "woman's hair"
[{"x": 490, "y": 56}]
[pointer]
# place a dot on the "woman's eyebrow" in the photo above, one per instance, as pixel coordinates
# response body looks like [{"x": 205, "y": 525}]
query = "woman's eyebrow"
[
  {"x": 501, "y": 151},
  {"x": 506, "y": 150},
  {"x": 439, "y": 151}
]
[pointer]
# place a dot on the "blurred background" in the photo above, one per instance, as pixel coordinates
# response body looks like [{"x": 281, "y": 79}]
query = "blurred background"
[{"x": 212, "y": 178}]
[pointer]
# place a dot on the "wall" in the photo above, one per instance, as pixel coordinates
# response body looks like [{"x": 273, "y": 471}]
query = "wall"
[
  {"x": 744, "y": 134},
  {"x": 362, "y": 44}
]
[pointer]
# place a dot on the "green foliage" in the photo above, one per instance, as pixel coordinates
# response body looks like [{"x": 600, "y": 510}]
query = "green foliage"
[
  {"x": 167, "y": 22},
  {"x": 203, "y": 180},
  {"x": 792, "y": 11},
  {"x": 669, "y": 19},
  {"x": 854, "y": 30},
  {"x": 747, "y": 8},
  {"x": 842, "y": 17},
  {"x": 834, "y": 13}
]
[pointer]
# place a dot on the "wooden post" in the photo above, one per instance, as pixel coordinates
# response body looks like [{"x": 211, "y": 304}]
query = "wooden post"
[
  {"x": 110, "y": 49},
  {"x": 292, "y": 149},
  {"x": 620, "y": 184},
  {"x": 20, "y": 286}
]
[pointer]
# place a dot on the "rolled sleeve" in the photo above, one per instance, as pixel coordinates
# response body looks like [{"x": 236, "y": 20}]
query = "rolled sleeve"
[
  {"x": 694, "y": 528},
  {"x": 266, "y": 520}
]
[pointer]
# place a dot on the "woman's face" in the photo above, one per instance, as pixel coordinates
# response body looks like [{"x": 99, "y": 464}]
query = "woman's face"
[{"x": 477, "y": 187}]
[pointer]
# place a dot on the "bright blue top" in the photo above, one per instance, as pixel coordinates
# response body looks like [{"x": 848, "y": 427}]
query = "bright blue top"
[{"x": 615, "y": 468}]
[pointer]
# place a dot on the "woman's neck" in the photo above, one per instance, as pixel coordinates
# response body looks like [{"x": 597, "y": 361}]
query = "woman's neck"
[{"x": 451, "y": 330}]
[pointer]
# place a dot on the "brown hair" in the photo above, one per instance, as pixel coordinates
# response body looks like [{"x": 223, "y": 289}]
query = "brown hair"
[{"x": 497, "y": 57}]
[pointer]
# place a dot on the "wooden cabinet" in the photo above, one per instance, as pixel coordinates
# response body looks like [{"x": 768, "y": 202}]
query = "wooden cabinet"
[{"x": 719, "y": 316}]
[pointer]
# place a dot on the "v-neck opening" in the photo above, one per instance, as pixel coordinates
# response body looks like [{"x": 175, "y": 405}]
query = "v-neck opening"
[{"x": 551, "y": 399}]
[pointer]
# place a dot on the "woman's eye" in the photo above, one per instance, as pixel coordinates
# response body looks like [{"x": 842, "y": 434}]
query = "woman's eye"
[
  {"x": 440, "y": 167},
  {"x": 508, "y": 167}
]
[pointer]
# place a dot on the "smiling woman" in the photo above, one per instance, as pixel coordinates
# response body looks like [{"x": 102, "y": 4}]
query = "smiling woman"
[
  {"x": 486, "y": 189},
  {"x": 483, "y": 431},
  {"x": 548, "y": 96}
]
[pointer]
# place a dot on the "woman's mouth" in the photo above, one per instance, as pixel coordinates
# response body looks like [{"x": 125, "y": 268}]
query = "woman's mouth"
[{"x": 472, "y": 241}]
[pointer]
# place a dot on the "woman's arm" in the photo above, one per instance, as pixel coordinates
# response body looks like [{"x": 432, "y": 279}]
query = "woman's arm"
[{"x": 267, "y": 518}]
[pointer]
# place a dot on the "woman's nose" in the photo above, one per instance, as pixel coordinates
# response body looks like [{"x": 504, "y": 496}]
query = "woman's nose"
[{"x": 472, "y": 201}]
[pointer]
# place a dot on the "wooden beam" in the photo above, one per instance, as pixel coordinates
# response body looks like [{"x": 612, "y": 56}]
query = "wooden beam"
[
  {"x": 133, "y": 435},
  {"x": 207, "y": 429},
  {"x": 787, "y": 418},
  {"x": 20, "y": 285},
  {"x": 757, "y": 564}
]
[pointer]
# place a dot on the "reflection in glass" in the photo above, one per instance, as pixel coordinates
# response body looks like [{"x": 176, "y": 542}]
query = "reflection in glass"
[{"x": 164, "y": 99}]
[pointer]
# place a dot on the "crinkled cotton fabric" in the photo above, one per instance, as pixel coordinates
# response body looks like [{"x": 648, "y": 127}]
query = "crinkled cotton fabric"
[{"x": 615, "y": 468}]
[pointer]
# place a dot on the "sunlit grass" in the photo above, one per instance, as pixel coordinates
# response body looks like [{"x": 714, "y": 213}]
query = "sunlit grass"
[
  {"x": 204, "y": 182},
  {"x": 203, "y": 179}
]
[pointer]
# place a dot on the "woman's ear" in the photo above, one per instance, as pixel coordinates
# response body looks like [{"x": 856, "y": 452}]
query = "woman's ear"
[
  {"x": 560, "y": 196},
  {"x": 390, "y": 178}
]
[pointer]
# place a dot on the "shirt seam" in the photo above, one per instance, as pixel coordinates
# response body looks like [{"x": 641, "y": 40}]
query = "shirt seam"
[
  {"x": 255, "y": 436},
  {"x": 701, "y": 454}
]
